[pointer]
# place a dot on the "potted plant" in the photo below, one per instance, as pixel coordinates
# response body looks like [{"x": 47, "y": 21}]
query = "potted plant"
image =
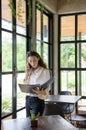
[{"x": 34, "y": 119}]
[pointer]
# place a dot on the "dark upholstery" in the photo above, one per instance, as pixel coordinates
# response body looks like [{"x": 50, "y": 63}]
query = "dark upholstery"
[{"x": 66, "y": 108}]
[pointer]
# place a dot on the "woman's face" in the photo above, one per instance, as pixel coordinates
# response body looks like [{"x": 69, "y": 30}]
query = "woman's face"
[{"x": 33, "y": 61}]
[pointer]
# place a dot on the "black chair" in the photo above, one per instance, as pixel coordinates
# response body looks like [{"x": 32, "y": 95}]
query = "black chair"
[
  {"x": 66, "y": 108},
  {"x": 79, "y": 120},
  {"x": 53, "y": 109}
]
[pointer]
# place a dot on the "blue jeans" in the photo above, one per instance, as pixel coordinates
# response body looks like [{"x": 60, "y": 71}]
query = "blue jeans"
[{"x": 35, "y": 104}]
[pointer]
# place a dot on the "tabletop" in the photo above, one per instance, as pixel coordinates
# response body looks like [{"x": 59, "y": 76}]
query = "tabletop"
[
  {"x": 63, "y": 98},
  {"x": 52, "y": 122}
]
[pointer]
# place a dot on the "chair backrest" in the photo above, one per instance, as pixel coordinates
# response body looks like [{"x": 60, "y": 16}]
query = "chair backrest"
[
  {"x": 66, "y": 108},
  {"x": 53, "y": 109},
  {"x": 65, "y": 93}
]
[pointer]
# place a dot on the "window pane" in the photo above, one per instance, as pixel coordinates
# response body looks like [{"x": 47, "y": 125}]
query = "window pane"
[
  {"x": 38, "y": 47},
  {"x": 81, "y": 55},
  {"x": 67, "y": 28},
  {"x": 81, "y": 27},
  {"x": 21, "y": 53},
  {"x": 38, "y": 25},
  {"x": 21, "y": 114},
  {"x": 51, "y": 57},
  {"x": 67, "y": 53},
  {"x": 20, "y": 95},
  {"x": 68, "y": 81},
  {"x": 6, "y": 94},
  {"x": 81, "y": 82},
  {"x": 21, "y": 21},
  {"x": 6, "y": 51},
  {"x": 6, "y": 15},
  {"x": 45, "y": 53},
  {"x": 82, "y": 106},
  {"x": 45, "y": 28}
]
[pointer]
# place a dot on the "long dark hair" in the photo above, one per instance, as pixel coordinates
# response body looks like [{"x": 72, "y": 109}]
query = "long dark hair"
[{"x": 41, "y": 62}]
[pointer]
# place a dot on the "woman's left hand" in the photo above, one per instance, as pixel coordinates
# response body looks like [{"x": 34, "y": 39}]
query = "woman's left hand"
[
  {"x": 38, "y": 91},
  {"x": 42, "y": 94}
]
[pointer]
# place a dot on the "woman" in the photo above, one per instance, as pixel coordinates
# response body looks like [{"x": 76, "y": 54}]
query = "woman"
[{"x": 36, "y": 73}]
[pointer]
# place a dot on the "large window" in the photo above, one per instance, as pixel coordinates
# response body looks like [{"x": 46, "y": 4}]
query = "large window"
[
  {"x": 15, "y": 38},
  {"x": 72, "y": 53},
  {"x": 14, "y": 45},
  {"x": 72, "y": 44},
  {"x": 44, "y": 37}
]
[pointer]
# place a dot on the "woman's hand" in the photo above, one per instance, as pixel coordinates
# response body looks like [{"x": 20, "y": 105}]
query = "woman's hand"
[
  {"x": 27, "y": 71},
  {"x": 38, "y": 91},
  {"x": 42, "y": 94}
]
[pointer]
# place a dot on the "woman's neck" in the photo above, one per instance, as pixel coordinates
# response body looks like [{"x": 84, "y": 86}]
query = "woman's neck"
[{"x": 35, "y": 68}]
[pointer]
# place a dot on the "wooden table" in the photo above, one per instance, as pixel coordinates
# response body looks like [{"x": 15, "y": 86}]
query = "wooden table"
[
  {"x": 54, "y": 122},
  {"x": 62, "y": 99}
]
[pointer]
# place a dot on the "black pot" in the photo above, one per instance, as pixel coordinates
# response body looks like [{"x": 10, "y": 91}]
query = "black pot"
[{"x": 34, "y": 123}]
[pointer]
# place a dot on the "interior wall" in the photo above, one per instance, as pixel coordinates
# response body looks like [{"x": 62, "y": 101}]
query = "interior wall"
[
  {"x": 50, "y": 5},
  {"x": 70, "y": 6},
  {"x": 55, "y": 54},
  {"x": 64, "y": 6}
]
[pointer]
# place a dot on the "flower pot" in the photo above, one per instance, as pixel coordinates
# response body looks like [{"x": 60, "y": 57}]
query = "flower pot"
[{"x": 34, "y": 123}]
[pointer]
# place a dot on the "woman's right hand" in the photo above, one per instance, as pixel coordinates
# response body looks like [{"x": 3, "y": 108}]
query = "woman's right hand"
[
  {"x": 27, "y": 67},
  {"x": 27, "y": 71}
]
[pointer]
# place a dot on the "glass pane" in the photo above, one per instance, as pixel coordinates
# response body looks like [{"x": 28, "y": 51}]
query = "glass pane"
[
  {"x": 81, "y": 55},
  {"x": 51, "y": 58},
  {"x": 21, "y": 22},
  {"x": 67, "y": 53},
  {"x": 67, "y": 28},
  {"x": 45, "y": 53},
  {"x": 68, "y": 81},
  {"x": 81, "y": 82},
  {"x": 45, "y": 28},
  {"x": 38, "y": 25},
  {"x": 82, "y": 106},
  {"x": 6, "y": 51},
  {"x": 21, "y": 114},
  {"x": 6, "y": 15},
  {"x": 81, "y": 27},
  {"x": 21, "y": 53},
  {"x": 38, "y": 47},
  {"x": 6, "y": 94},
  {"x": 20, "y": 95}
]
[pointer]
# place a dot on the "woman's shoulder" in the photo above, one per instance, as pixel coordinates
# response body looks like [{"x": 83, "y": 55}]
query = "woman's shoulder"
[
  {"x": 44, "y": 74},
  {"x": 44, "y": 69}
]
